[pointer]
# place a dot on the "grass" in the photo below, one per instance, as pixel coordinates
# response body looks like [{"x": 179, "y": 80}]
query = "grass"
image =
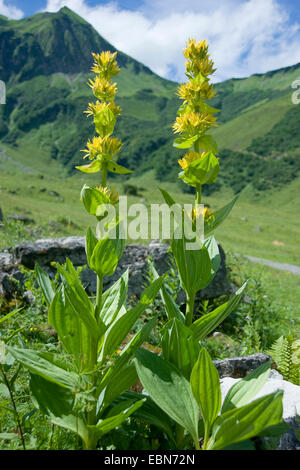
[{"x": 273, "y": 213}]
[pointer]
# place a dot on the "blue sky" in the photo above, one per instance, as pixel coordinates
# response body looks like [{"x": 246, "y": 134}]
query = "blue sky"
[{"x": 245, "y": 36}]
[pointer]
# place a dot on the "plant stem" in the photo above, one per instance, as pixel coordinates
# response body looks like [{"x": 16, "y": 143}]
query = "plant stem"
[
  {"x": 198, "y": 194},
  {"x": 99, "y": 295},
  {"x": 14, "y": 406},
  {"x": 104, "y": 175},
  {"x": 190, "y": 300}
]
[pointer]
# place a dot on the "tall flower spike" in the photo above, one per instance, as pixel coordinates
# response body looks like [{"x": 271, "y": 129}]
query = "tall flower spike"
[{"x": 195, "y": 118}]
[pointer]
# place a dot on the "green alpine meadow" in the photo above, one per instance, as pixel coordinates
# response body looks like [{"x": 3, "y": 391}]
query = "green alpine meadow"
[{"x": 149, "y": 256}]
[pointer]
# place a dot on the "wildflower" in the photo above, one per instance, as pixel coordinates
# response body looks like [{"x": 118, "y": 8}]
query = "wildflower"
[
  {"x": 102, "y": 148},
  {"x": 105, "y": 64},
  {"x": 103, "y": 89},
  {"x": 98, "y": 107},
  {"x": 193, "y": 123},
  {"x": 111, "y": 196},
  {"x": 189, "y": 158},
  {"x": 198, "y": 58},
  {"x": 196, "y": 90}
]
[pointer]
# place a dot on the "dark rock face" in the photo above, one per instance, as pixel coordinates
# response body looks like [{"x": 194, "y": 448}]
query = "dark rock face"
[
  {"x": 239, "y": 367},
  {"x": 290, "y": 440},
  {"x": 134, "y": 258}
]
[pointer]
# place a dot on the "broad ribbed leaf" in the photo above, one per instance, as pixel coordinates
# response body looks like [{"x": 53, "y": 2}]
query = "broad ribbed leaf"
[
  {"x": 218, "y": 217},
  {"x": 214, "y": 254},
  {"x": 243, "y": 391},
  {"x": 126, "y": 354},
  {"x": 169, "y": 389},
  {"x": 194, "y": 266},
  {"x": 119, "y": 383},
  {"x": 248, "y": 421},
  {"x": 92, "y": 198},
  {"x": 119, "y": 329},
  {"x": 77, "y": 298},
  {"x": 108, "y": 424},
  {"x": 36, "y": 362},
  {"x": 92, "y": 167},
  {"x": 205, "y": 384},
  {"x": 206, "y": 324},
  {"x": 71, "y": 330},
  {"x": 150, "y": 413},
  {"x": 172, "y": 309},
  {"x": 115, "y": 168},
  {"x": 179, "y": 347},
  {"x": 113, "y": 299},
  {"x": 44, "y": 283},
  {"x": 106, "y": 255}
]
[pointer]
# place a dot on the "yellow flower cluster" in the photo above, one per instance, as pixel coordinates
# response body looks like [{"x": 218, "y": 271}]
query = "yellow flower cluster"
[
  {"x": 189, "y": 158},
  {"x": 110, "y": 194},
  {"x": 102, "y": 148},
  {"x": 98, "y": 107},
  {"x": 195, "y": 117},
  {"x": 195, "y": 90},
  {"x": 104, "y": 111},
  {"x": 193, "y": 123},
  {"x": 105, "y": 64},
  {"x": 103, "y": 89},
  {"x": 198, "y": 58}
]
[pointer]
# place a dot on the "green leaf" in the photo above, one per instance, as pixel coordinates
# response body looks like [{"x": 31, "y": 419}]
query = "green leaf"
[
  {"x": 106, "y": 255},
  {"x": 248, "y": 421},
  {"x": 126, "y": 354},
  {"x": 113, "y": 167},
  {"x": 44, "y": 283},
  {"x": 90, "y": 244},
  {"x": 208, "y": 143},
  {"x": 105, "y": 122},
  {"x": 214, "y": 255},
  {"x": 92, "y": 198},
  {"x": 125, "y": 378},
  {"x": 179, "y": 347},
  {"x": 243, "y": 391},
  {"x": 57, "y": 403},
  {"x": 151, "y": 413},
  {"x": 78, "y": 299},
  {"x": 113, "y": 299},
  {"x": 172, "y": 309},
  {"x": 9, "y": 315},
  {"x": 202, "y": 171},
  {"x": 205, "y": 384},
  {"x": 119, "y": 329},
  {"x": 206, "y": 324},
  {"x": 92, "y": 167},
  {"x": 169, "y": 200},
  {"x": 36, "y": 362},
  {"x": 184, "y": 143},
  {"x": 169, "y": 389},
  {"x": 194, "y": 266},
  {"x": 108, "y": 424},
  {"x": 218, "y": 217},
  {"x": 205, "y": 108},
  {"x": 71, "y": 330}
]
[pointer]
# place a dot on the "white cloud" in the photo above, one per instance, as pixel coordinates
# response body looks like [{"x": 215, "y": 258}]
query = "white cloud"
[
  {"x": 245, "y": 36},
  {"x": 10, "y": 11}
]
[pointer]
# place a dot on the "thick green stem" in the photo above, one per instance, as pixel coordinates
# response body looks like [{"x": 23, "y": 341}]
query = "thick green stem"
[
  {"x": 189, "y": 312},
  {"x": 198, "y": 194},
  {"x": 104, "y": 175},
  {"x": 99, "y": 296}
]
